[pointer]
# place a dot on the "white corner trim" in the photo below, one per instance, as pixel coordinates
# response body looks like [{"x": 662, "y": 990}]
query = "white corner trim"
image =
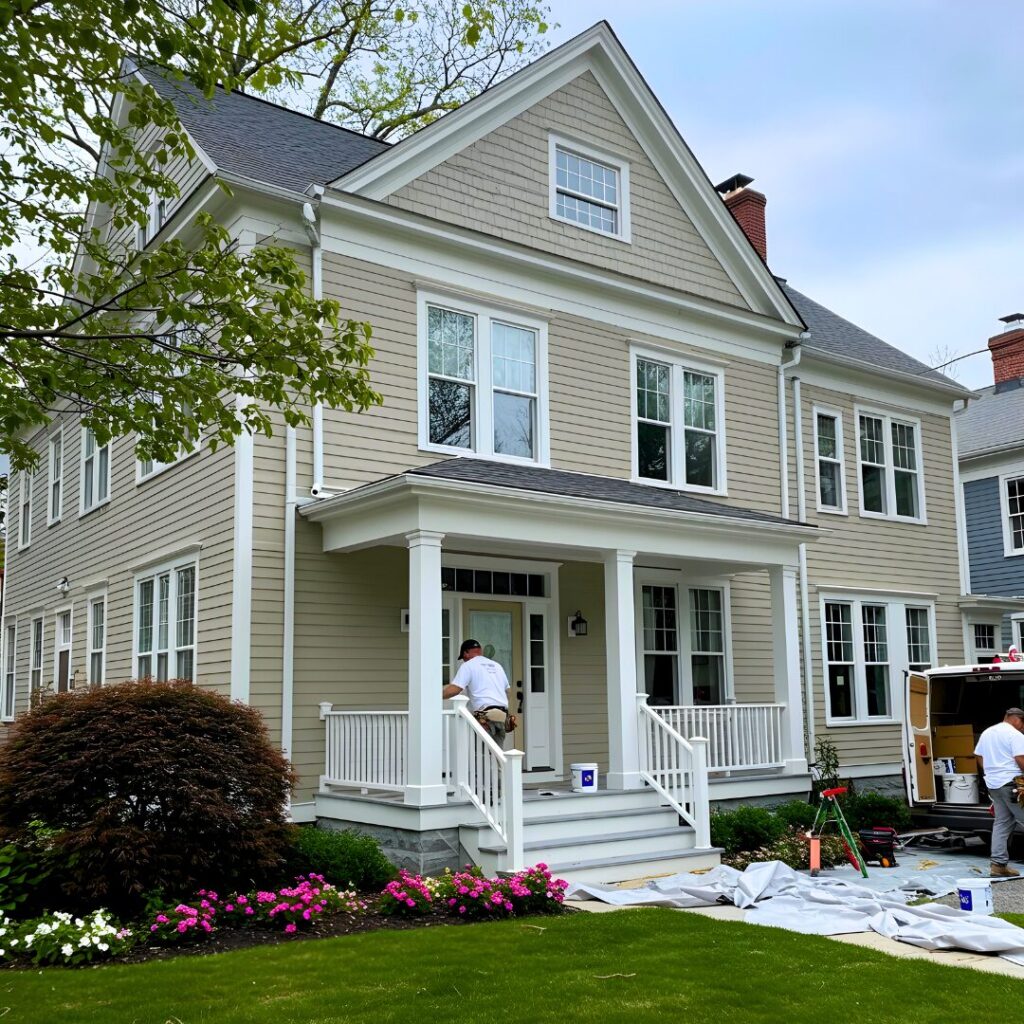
[{"x": 241, "y": 576}]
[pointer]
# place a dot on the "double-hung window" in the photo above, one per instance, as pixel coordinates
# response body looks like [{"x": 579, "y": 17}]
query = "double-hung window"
[
  {"x": 889, "y": 455},
  {"x": 588, "y": 188},
  {"x": 24, "y": 509},
  {"x": 678, "y": 434},
  {"x": 828, "y": 449},
  {"x": 95, "y": 475},
  {"x": 36, "y": 662},
  {"x": 165, "y": 623},
  {"x": 97, "y": 640},
  {"x": 983, "y": 636},
  {"x": 10, "y": 660},
  {"x": 919, "y": 645},
  {"x": 1012, "y": 497},
  {"x": 660, "y": 644},
  {"x": 482, "y": 382},
  {"x": 55, "y": 500},
  {"x": 707, "y": 646}
]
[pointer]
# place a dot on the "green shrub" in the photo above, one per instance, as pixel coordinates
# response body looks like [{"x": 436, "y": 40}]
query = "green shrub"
[
  {"x": 746, "y": 828},
  {"x": 791, "y": 848},
  {"x": 865, "y": 810},
  {"x": 345, "y": 859},
  {"x": 796, "y": 813}
]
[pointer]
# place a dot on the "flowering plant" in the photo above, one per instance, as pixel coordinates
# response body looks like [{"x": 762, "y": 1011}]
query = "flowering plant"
[
  {"x": 60, "y": 938},
  {"x": 291, "y": 906},
  {"x": 408, "y": 895},
  {"x": 469, "y": 894},
  {"x": 534, "y": 891},
  {"x": 186, "y": 922}
]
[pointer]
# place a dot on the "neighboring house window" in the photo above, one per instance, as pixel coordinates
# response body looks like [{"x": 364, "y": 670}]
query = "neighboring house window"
[
  {"x": 483, "y": 389},
  {"x": 62, "y": 674},
  {"x": 828, "y": 446},
  {"x": 707, "y": 646},
  {"x": 919, "y": 648},
  {"x": 10, "y": 656},
  {"x": 36, "y": 663},
  {"x": 1013, "y": 515},
  {"x": 678, "y": 433},
  {"x": 25, "y": 507},
  {"x": 889, "y": 453},
  {"x": 589, "y": 189},
  {"x": 56, "y": 477},
  {"x": 150, "y": 467},
  {"x": 97, "y": 640},
  {"x": 984, "y": 636},
  {"x": 156, "y": 217},
  {"x": 165, "y": 623},
  {"x": 95, "y": 482},
  {"x": 660, "y": 644}
]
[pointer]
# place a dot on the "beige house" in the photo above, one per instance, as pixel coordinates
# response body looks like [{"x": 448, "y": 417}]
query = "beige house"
[{"x": 613, "y": 446}]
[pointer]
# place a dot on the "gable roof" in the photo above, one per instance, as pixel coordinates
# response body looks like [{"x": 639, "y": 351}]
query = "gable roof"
[
  {"x": 253, "y": 138},
  {"x": 993, "y": 422},
  {"x": 832, "y": 335}
]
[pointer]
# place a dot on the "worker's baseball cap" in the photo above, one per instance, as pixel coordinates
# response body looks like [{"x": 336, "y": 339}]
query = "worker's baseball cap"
[
  {"x": 468, "y": 645},
  {"x": 1019, "y": 712}
]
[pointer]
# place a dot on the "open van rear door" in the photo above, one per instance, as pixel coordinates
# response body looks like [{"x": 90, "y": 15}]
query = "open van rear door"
[{"x": 918, "y": 754}]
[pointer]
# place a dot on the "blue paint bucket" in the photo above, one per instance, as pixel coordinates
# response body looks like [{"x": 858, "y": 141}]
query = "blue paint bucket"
[{"x": 975, "y": 895}]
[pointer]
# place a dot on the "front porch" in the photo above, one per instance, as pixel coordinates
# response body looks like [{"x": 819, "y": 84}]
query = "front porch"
[{"x": 660, "y": 612}]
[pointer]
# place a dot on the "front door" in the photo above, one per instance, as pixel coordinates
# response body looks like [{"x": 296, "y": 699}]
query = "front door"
[{"x": 499, "y": 628}]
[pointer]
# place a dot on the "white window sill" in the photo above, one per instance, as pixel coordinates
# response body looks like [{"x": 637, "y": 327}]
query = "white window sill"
[
  {"x": 465, "y": 453},
  {"x": 866, "y": 514},
  {"x": 139, "y": 480},
  {"x": 853, "y": 723},
  {"x": 667, "y": 485},
  {"x": 823, "y": 510},
  {"x": 25, "y": 547},
  {"x": 7, "y": 721},
  {"x": 92, "y": 508},
  {"x": 1007, "y": 553},
  {"x": 617, "y": 237},
  {"x": 53, "y": 522}
]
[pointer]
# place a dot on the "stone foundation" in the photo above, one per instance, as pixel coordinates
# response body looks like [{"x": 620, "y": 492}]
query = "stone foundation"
[{"x": 422, "y": 853}]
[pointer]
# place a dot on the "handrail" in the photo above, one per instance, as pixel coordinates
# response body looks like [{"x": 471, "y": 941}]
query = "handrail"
[
  {"x": 676, "y": 768},
  {"x": 740, "y": 736},
  {"x": 492, "y": 779}
]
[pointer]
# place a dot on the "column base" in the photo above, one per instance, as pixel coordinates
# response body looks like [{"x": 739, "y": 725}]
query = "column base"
[
  {"x": 797, "y": 766},
  {"x": 426, "y": 796},
  {"x": 624, "y": 780}
]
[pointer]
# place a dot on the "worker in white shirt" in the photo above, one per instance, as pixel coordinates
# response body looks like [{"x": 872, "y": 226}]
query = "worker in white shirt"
[
  {"x": 1000, "y": 753},
  {"x": 485, "y": 684}
]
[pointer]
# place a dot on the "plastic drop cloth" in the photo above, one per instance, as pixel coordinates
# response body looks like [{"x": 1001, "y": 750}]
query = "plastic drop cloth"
[{"x": 776, "y": 895}]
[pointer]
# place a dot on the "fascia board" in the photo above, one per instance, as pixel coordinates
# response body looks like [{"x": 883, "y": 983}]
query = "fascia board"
[
  {"x": 988, "y": 602},
  {"x": 1011, "y": 448}
]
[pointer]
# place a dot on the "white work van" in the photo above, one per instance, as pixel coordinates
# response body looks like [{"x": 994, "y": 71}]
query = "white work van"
[{"x": 960, "y": 695}]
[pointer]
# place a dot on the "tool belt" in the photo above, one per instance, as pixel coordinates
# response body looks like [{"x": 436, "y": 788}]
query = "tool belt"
[
  {"x": 498, "y": 715},
  {"x": 1018, "y": 788}
]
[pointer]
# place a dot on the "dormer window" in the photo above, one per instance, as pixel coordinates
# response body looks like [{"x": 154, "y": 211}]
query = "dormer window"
[{"x": 589, "y": 189}]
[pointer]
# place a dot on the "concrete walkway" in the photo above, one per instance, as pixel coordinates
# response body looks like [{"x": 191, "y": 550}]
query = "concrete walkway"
[{"x": 865, "y": 940}]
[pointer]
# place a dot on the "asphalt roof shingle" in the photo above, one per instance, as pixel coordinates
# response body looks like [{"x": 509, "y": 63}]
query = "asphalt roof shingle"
[
  {"x": 256, "y": 139},
  {"x": 992, "y": 421}
]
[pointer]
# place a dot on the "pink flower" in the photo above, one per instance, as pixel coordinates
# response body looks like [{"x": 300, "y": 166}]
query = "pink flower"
[
  {"x": 229, "y": 907},
  {"x": 161, "y": 918},
  {"x": 462, "y": 910},
  {"x": 153, "y": 927},
  {"x": 289, "y": 928},
  {"x": 249, "y": 910},
  {"x": 206, "y": 926},
  {"x": 410, "y": 903},
  {"x": 305, "y": 914},
  {"x": 182, "y": 926}
]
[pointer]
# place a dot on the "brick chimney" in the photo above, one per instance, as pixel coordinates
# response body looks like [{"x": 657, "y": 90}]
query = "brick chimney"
[
  {"x": 1007, "y": 351},
  {"x": 747, "y": 207}
]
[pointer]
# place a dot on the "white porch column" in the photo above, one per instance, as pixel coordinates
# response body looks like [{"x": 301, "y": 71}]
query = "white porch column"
[
  {"x": 424, "y": 785},
  {"x": 786, "y": 664},
  {"x": 620, "y": 631}
]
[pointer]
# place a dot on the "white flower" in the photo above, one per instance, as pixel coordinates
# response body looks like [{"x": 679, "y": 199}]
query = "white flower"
[
  {"x": 95, "y": 940},
  {"x": 103, "y": 947},
  {"x": 67, "y": 949},
  {"x": 28, "y": 940},
  {"x": 83, "y": 941},
  {"x": 79, "y": 923},
  {"x": 44, "y": 929}
]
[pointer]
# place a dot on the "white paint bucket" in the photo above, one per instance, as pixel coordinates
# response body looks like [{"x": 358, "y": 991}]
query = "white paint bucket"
[
  {"x": 975, "y": 895},
  {"x": 584, "y": 777},
  {"x": 960, "y": 789},
  {"x": 945, "y": 765}
]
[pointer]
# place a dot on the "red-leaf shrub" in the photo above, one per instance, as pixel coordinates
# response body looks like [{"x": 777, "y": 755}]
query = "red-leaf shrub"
[{"x": 149, "y": 785}]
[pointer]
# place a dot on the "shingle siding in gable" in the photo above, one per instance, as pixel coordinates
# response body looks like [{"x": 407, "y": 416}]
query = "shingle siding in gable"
[{"x": 991, "y": 571}]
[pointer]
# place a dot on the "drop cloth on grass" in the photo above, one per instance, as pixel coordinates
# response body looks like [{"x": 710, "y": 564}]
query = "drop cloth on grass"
[{"x": 776, "y": 895}]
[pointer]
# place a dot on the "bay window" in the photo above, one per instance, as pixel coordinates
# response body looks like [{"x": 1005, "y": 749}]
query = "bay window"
[
  {"x": 889, "y": 457},
  {"x": 165, "y": 623}
]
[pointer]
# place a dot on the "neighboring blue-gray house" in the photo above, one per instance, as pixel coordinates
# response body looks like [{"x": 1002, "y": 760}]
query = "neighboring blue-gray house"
[{"x": 990, "y": 439}]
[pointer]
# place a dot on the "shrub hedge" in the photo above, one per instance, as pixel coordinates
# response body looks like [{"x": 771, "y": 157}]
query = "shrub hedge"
[{"x": 346, "y": 859}]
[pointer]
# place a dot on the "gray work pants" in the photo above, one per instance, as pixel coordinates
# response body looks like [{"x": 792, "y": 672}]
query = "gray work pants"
[{"x": 1008, "y": 814}]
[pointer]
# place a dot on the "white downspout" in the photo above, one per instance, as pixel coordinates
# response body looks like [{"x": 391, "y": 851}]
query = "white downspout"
[
  {"x": 311, "y": 214},
  {"x": 288, "y": 628}
]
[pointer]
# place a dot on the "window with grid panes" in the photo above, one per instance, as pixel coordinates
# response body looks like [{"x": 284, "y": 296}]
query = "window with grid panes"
[
  {"x": 660, "y": 643},
  {"x": 890, "y": 467},
  {"x": 587, "y": 191},
  {"x": 56, "y": 475},
  {"x": 919, "y": 647},
  {"x": 25, "y": 509},
  {"x": 654, "y": 419},
  {"x": 97, "y": 640},
  {"x": 538, "y": 667},
  {"x": 984, "y": 642},
  {"x": 95, "y": 483},
  {"x": 707, "y": 646},
  {"x": 1015, "y": 513},
  {"x": 876, "y": 660},
  {"x": 839, "y": 658},
  {"x": 872, "y": 464},
  {"x": 10, "y": 654},
  {"x": 36, "y": 658},
  {"x": 828, "y": 439},
  {"x": 165, "y": 623},
  {"x": 905, "y": 471}
]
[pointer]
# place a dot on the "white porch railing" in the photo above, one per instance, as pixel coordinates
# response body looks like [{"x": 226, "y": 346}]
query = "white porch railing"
[
  {"x": 492, "y": 779},
  {"x": 676, "y": 768},
  {"x": 740, "y": 736}
]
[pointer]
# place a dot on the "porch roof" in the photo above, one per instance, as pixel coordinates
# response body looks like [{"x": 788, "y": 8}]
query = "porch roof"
[{"x": 511, "y": 506}]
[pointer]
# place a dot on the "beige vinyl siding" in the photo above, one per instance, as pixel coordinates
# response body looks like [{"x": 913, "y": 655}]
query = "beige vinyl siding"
[
  {"x": 499, "y": 185},
  {"x": 876, "y": 554},
  {"x": 752, "y": 639},
  {"x": 103, "y": 547},
  {"x": 589, "y": 395}
]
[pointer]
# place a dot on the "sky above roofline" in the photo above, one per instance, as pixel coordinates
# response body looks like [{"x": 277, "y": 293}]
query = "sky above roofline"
[{"x": 886, "y": 136}]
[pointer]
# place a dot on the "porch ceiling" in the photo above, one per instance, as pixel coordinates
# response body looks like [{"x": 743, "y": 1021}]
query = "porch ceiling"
[{"x": 471, "y": 501}]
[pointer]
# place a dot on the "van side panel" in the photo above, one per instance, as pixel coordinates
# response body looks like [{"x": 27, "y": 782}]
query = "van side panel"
[{"x": 922, "y": 776}]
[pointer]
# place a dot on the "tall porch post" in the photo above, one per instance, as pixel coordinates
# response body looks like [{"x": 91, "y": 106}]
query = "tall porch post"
[
  {"x": 424, "y": 784},
  {"x": 620, "y": 632},
  {"x": 786, "y": 664}
]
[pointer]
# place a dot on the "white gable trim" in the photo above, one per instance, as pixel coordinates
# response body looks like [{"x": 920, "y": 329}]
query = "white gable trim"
[{"x": 597, "y": 50}]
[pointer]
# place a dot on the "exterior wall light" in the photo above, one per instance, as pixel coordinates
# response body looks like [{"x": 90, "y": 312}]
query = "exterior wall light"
[{"x": 578, "y": 625}]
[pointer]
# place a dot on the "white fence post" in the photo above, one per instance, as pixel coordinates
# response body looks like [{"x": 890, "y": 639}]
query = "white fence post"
[
  {"x": 701, "y": 802},
  {"x": 325, "y": 709},
  {"x": 643, "y": 758},
  {"x": 513, "y": 801},
  {"x": 461, "y": 737}
]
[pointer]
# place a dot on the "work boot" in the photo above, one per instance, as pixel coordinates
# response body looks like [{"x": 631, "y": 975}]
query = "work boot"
[{"x": 1003, "y": 871}]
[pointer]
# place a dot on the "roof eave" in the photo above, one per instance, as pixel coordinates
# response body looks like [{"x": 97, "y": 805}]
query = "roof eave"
[{"x": 952, "y": 389}]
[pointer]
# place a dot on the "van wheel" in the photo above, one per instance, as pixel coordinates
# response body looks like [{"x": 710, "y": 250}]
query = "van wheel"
[{"x": 958, "y": 843}]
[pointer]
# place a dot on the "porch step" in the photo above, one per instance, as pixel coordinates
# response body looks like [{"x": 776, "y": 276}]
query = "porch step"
[
  {"x": 543, "y": 828},
  {"x": 559, "y": 804},
  {"x": 655, "y": 840},
  {"x": 627, "y": 868}
]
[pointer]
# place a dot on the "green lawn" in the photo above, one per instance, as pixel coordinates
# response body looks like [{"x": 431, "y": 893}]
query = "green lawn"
[{"x": 630, "y": 966}]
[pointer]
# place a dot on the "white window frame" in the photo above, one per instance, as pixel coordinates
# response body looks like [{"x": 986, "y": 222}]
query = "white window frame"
[
  {"x": 679, "y": 365},
  {"x": 1009, "y": 550},
  {"x": 837, "y": 416},
  {"x": 158, "y": 468},
  {"x": 35, "y": 671},
  {"x": 995, "y": 623},
  {"x": 683, "y": 584},
  {"x": 97, "y": 597},
  {"x": 929, "y": 610},
  {"x": 898, "y": 653},
  {"x": 9, "y": 680},
  {"x": 55, "y": 477},
  {"x": 24, "y": 509},
  {"x": 59, "y": 646},
  {"x": 84, "y": 510},
  {"x": 483, "y": 409},
  {"x": 589, "y": 152},
  {"x": 154, "y": 572},
  {"x": 888, "y": 419}
]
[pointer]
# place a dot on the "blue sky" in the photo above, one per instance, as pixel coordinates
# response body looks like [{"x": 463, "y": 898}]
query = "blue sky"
[{"x": 888, "y": 137}]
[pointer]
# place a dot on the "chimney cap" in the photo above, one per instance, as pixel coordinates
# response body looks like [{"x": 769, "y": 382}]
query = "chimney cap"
[
  {"x": 737, "y": 181},
  {"x": 1013, "y": 321}
]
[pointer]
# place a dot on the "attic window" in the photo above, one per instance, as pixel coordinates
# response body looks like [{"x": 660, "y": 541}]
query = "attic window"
[{"x": 589, "y": 189}]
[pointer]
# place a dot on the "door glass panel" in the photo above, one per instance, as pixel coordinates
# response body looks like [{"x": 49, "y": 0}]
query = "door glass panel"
[
  {"x": 494, "y": 631},
  {"x": 537, "y": 668}
]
